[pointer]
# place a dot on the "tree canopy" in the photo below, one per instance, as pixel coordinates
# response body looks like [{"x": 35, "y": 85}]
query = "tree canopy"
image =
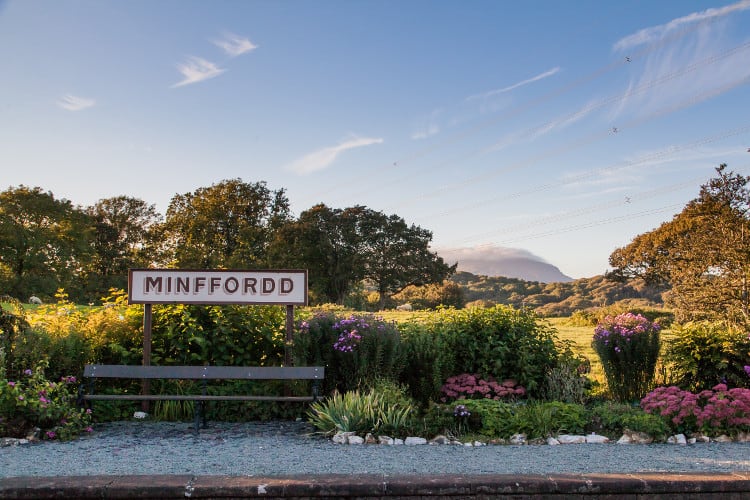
[{"x": 703, "y": 253}]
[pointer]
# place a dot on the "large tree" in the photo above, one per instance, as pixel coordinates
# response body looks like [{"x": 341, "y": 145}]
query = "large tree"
[
  {"x": 44, "y": 243},
  {"x": 228, "y": 224},
  {"x": 343, "y": 247},
  {"x": 703, "y": 253},
  {"x": 125, "y": 233}
]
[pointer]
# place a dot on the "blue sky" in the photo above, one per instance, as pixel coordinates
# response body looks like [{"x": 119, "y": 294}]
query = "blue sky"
[{"x": 556, "y": 129}]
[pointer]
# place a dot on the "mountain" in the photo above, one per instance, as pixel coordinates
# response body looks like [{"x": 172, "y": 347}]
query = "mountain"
[{"x": 506, "y": 262}]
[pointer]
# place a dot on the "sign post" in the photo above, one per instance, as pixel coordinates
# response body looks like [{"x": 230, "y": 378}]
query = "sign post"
[{"x": 216, "y": 287}]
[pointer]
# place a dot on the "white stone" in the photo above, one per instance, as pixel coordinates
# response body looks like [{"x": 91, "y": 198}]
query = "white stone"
[
  {"x": 356, "y": 440},
  {"x": 571, "y": 439},
  {"x": 385, "y": 440},
  {"x": 342, "y": 437},
  {"x": 468, "y": 444},
  {"x": 414, "y": 441},
  {"x": 701, "y": 438},
  {"x": 723, "y": 439},
  {"x": 517, "y": 439},
  {"x": 596, "y": 439},
  {"x": 677, "y": 439},
  {"x": 140, "y": 415},
  {"x": 478, "y": 443},
  {"x": 631, "y": 437},
  {"x": 440, "y": 439},
  {"x": 552, "y": 441},
  {"x": 743, "y": 437},
  {"x": 370, "y": 439},
  {"x": 398, "y": 441}
]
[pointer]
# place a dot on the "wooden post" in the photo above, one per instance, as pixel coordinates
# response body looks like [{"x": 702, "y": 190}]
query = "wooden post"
[
  {"x": 145, "y": 383},
  {"x": 289, "y": 336}
]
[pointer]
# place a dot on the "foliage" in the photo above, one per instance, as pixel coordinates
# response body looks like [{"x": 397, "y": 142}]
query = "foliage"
[
  {"x": 567, "y": 381},
  {"x": 44, "y": 241},
  {"x": 34, "y": 401},
  {"x": 472, "y": 386},
  {"x": 612, "y": 419},
  {"x": 712, "y": 411},
  {"x": 628, "y": 346},
  {"x": 359, "y": 412},
  {"x": 543, "y": 419},
  {"x": 229, "y": 224},
  {"x": 702, "y": 253},
  {"x": 498, "y": 342},
  {"x": 125, "y": 235},
  {"x": 12, "y": 324},
  {"x": 218, "y": 335},
  {"x": 431, "y": 296},
  {"x": 703, "y": 354},
  {"x": 354, "y": 349}
]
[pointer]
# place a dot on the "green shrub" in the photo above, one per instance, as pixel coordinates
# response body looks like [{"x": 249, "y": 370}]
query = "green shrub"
[
  {"x": 567, "y": 381},
  {"x": 355, "y": 350},
  {"x": 703, "y": 354},
  {"x": 628, "y": 346},
  {"x": 348, "y": 412},
  {"x": 612, "y": 419},
  {"x": 498, "y": 342},
  {"x": 549, "y": 418}
]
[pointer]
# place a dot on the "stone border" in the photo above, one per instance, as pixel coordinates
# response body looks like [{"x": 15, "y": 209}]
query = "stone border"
[{"x": 610, "y": 486}]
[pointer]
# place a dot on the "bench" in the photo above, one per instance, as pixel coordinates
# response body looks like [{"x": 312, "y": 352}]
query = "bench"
[{"x": 204, "y": 373}]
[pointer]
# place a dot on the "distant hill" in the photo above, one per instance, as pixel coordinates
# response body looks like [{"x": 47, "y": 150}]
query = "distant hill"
[
  {"x": 558, "y": 298},
  {"x": 508, "y": 263}
]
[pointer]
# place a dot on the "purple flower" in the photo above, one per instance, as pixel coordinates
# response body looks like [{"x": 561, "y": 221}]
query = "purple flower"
[
  {"x": 461, "y": 411},
  {"x": 51, "y": 434},
  {"x": 28, "y": 372},
  {"x": 747, "y": 370},
  {"x": 13, "y": 384}
]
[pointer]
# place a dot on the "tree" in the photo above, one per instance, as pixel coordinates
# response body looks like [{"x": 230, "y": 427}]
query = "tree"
[
  {"x": 323, "y": 241},
  {"x": 396, "y": 255},
  {"x": 44, "y": 243},
  {"x": 703, "y": 253},
  {"x": 125, "y": 236},
  {"x": 342, "y": 247},
  {"x": 229, "y": 224}
]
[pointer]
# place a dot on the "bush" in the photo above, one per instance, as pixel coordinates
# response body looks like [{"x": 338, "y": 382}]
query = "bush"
[
  {"x": 703, "y": 354},
  {"x": 355, "y": 350},
  {"x": 362, "y": 413},
  {"x": 712, "y": 412},
  {"x": 34, "y": 402},
  {"x": 498, "y": 342},
  {"x": 628, "y": 346},
  {"x": 612, "y": 419}
]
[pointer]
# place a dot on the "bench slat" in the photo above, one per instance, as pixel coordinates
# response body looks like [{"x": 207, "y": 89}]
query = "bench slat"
[
  {"x": 190, "y": 397},
  {"x": 205, "y": 372}
]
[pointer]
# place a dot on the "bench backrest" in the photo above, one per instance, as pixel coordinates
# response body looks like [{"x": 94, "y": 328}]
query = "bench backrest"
[{"x": 205, "y": 372}]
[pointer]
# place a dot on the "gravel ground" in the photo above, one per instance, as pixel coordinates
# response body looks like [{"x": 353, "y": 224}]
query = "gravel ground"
[{"x": 281, "y": 448}]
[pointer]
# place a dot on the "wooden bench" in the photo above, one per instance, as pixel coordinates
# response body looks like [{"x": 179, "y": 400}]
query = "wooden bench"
[{"x": 204, "y": 373}]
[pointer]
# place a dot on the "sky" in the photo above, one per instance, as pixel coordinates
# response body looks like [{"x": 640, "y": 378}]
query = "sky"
[{"x": 557, "y": 130}]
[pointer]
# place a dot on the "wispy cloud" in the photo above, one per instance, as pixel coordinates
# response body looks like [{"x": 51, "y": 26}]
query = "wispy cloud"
[
  {"x": 195, "y": 70},
  {"x": 323, "y": 158},
  {"x": 503, "y": 90},
  {"x": 648, "y": 35},
  {"x": 428, "y": 127},
  {"x": 75, "y": 103},
  {"x": 234, "y": 45}
]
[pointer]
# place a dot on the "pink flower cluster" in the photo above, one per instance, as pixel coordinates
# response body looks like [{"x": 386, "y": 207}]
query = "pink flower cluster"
[
  {"x": 626, "y": 325},
  {"x": 468, "y": 386},
  {"x": 719, "y": 408}
]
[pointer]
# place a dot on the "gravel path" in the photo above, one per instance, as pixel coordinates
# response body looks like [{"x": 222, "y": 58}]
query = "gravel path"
[{"x": 279, "y": 448}]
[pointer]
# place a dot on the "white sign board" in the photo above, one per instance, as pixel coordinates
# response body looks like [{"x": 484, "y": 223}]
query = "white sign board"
[{"x": 183, "y": 286}]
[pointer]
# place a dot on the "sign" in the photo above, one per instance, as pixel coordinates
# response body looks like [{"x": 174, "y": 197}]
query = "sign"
[{"x": 188, "y": 286}]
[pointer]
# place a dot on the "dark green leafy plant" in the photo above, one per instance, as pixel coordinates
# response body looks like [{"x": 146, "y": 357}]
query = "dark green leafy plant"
[{"x": 703, "y": 354}]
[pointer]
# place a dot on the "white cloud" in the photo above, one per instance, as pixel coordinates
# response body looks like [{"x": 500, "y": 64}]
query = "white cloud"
[
  {"x": 196, "y": 70},
  {"x": 648, "y": 35},
  {"x": 323, "y": 158},
  {"x": 533, "y": 79},
  {"x": 234, "y": 45},
  {"x": 428, "y": 127},
  {"x": 74, "y": 103}
]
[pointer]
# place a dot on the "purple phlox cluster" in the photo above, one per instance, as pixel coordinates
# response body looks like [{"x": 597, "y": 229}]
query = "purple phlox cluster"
[
  {"x": 304, "y": 326},
  {"x": 747, "y": 370},
  {"x": 624, "y": 325},
  {"x": 68, "y": 380},
  {"x": 351, "y": 330},
  {"x": 347, "y": 341},
  {"x": 11, "y": 383},
  {"x": 27, "y": 372},
  {"x": 461, "y": 411},
  {"x": 472, "y": 386},
  {"x": 718, "y": 407},
  {"x": 50, "y": 434}
]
